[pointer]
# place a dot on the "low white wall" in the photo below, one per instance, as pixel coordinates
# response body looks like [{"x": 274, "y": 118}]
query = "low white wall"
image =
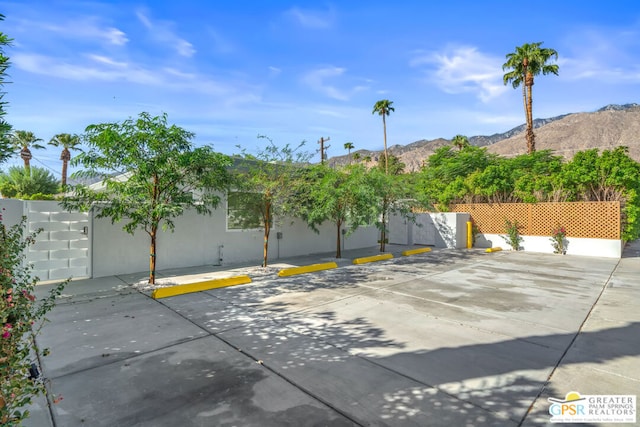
[
  {"x": 204, "y": 240},
  {"x": 442, "y": 230},
  {"x": 575, "y": 246},
  {"x": 12, "y": 211}
]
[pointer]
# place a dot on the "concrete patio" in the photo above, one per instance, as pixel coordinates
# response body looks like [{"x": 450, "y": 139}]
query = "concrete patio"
[{"x": 446, "y": 338}]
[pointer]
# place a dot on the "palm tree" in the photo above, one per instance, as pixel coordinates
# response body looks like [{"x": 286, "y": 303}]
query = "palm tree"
[
  {"x": 460, "y": 141},
  {"x": 67, "y": 142},
  {"x": 356, "y": 156},
  {"x": 349, "y": 146},
  {"x": 527, "y": 61},
  {"x": 384, "y": 108},
  {"x": 24, "y": 140}
]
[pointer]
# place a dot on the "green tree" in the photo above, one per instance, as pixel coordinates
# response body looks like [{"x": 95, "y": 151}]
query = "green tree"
[
  {"x": 528, "y": 61},
  {"x": 609, "y": 176},
  {"x": 341, "y": 196},
  {"x": 349, "y": 146},
  {"x": 264, "y": 185},
  {"x": 25, "y": 140},
  {"x": 442, "y": 180},
  {"x": 393, "y": 193},
  {"x": 460, "y": 142},
  {"x": 384, "y": 108},
  {"x": 22, "y": 183},
  {"x": 149, "y": 172},
  {"x": 67, "y": 142},
  {"x": 6, "y": 146}
]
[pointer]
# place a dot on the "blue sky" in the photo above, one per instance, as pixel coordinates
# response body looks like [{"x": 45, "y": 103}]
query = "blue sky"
[{"x": 296, "y": 71}]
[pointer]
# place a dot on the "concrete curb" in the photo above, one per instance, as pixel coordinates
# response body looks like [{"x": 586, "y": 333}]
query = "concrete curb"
[
  {"x": 496, "y": 249},
  {"x": 306, "y": 269},
  {"x": 415, "y": 251},
  {"x": 171, "y": 291},
  {"x": 373, "y": 258}
]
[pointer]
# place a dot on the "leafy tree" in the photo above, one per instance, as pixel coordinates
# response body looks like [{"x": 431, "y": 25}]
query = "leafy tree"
[
  {"x": 393, "y": 191},
  {"x": 67, "y": 142},
  {"x": 349, "y": 146},
  {"x": 22, "y": 183},
  {"x": 384, "y": 108},
  {"x": 609, "y": 176},
  {"x": 149, "y": 172},
  {"x": 342, "y": 196},
  {"x": 528, "y": 61},
  {"x": 264, "y": 186},
  {"x": 460, "y": 142},
  {"x": 6, "y": 147},
  {"x": 443, "y": 179},
  {"x": 24, "y": 140}
]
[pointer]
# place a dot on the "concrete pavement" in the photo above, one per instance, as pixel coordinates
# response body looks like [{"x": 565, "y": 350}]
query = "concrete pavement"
[{"x": 437, "y": 339}]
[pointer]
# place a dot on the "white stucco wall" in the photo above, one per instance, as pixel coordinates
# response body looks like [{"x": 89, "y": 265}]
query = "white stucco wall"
[
  {"x": 442, "y": 230},
  {"x": 12, "y": 211},
  {"x": 575, "y": 246},
  {"x": 200, "y": 239}
]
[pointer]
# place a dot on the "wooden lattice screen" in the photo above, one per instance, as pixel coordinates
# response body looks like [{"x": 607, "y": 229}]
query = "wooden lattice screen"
[{"x": 596, "y": 220}]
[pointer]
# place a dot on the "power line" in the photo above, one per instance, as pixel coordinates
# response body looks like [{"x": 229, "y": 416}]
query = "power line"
[{"x": 52, "y": 170}]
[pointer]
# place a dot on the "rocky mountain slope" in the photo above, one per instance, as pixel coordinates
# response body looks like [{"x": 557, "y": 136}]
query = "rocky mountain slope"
[{"x": 609, "y": 127}]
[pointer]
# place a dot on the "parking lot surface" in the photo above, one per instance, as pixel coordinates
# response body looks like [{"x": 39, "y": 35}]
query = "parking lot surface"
[{"x": 446, "y": 338}]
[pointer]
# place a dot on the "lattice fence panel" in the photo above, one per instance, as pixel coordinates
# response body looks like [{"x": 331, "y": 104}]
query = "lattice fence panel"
[{"x": 596, "y": 220}]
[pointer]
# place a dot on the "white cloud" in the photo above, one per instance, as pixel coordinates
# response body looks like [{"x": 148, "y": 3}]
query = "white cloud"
[
  {"x": 610, "y": 56},
  {"x": 106, "y": 60},
  {"x": 312, "y": 18},
  {"x": 52, "y": 66},
  {"x": 220, "y": 43},
  {"x": 317, "y": 80},
  {"x": 464, "y": 70},
  {"x": 99, "y": 68},
  {"x": 274, "y": 71},
  {"x": 84, "y": 28},
  {"x": 161, "y": 32}
]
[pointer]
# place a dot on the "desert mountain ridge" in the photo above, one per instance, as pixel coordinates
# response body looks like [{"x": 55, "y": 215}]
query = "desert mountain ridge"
[{"x": 609, "y": 127}]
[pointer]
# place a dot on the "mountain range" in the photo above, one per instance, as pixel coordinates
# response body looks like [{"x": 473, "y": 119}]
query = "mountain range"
[{"x": 609, "y": 127}]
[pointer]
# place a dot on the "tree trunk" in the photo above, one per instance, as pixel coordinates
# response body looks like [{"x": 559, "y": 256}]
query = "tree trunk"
[
  {"x": 65, "y": 157},
  {"x": 383, "y": 230},
  {"x": 531, "y": 143},
  {"x": 338, "y": 249},
  {"x": 152, "y": 256},
  {"x": 64, "y": 173},
  {"x": 386, "y": 156},
  {"x": 26, "y": 156},
  {"x": 267, "y": 229}
]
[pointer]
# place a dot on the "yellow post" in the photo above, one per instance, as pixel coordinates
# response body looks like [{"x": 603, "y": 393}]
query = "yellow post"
[{"x": 469, "y": 234}]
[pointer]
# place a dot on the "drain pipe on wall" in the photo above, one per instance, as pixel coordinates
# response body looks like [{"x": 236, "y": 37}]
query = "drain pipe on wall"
[
  {"x": 278, "y": 238},
  {"x": 220, "y": 253}
]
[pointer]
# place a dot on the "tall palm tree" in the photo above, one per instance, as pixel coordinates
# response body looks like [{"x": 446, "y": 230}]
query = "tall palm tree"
[
  {"x": 349, "y": 146},
  {"x": 460, "y": 141},
  {"x": 528, "y": 61},
  {"x": 67, "y": 142},
  {"x": 24, "y": 140},
  {"x": 384, "y": 108}
]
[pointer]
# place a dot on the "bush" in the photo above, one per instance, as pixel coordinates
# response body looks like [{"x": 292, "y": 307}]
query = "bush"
[
  {"x": 19, "y": 183},
  {"x": 21, "y": 317},
  {"x": 513, "y": 237}
]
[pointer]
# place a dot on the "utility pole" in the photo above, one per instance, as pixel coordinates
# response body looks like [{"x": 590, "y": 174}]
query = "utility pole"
[{"x": 323, "y": 154}]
